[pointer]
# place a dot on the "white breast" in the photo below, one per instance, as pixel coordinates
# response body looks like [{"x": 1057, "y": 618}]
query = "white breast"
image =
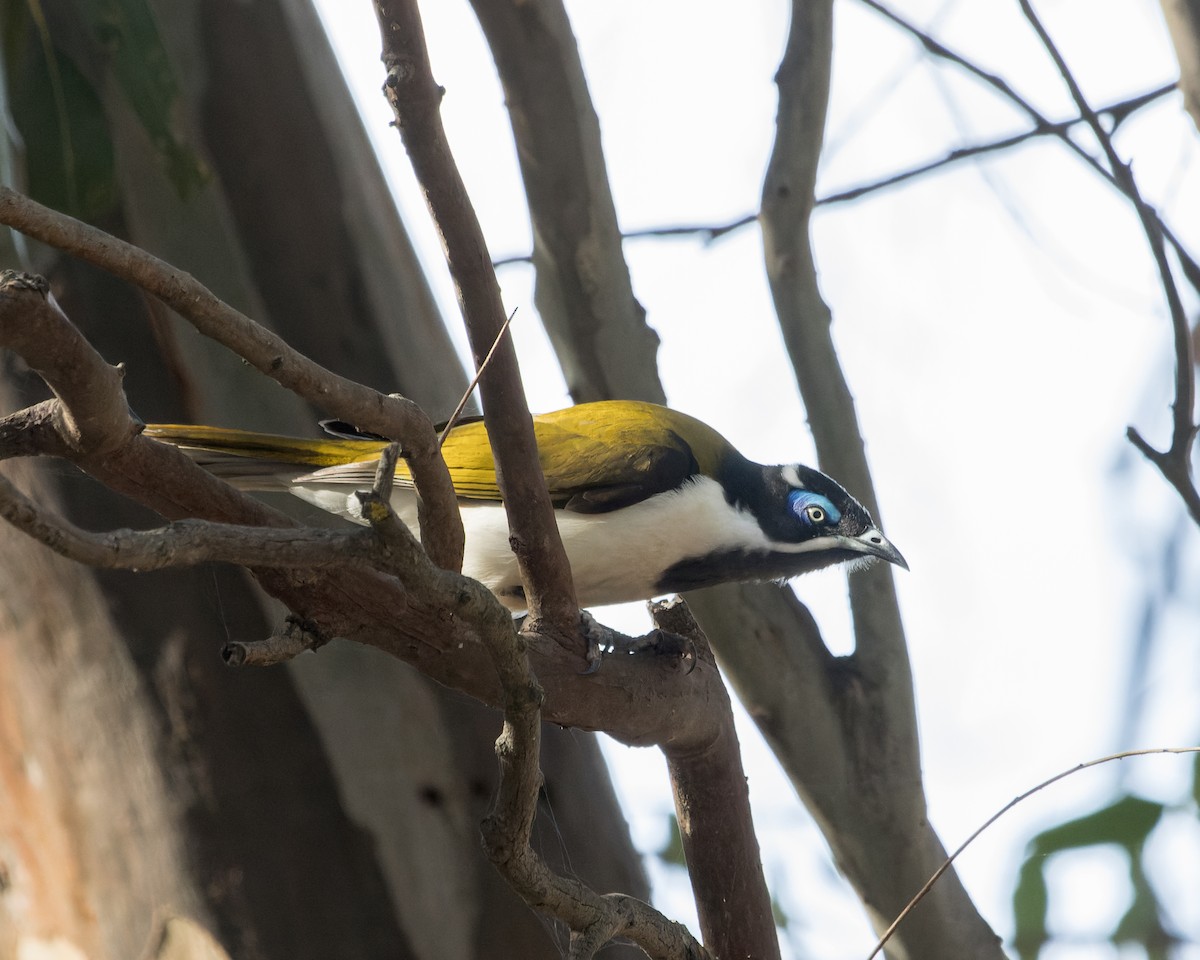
[{"x": 615, "y": 557}]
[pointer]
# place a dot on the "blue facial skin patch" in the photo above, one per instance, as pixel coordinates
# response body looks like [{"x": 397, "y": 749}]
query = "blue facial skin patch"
[{"x": 801, "y": 500}]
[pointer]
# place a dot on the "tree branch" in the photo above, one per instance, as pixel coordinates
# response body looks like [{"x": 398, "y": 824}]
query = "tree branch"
[
  {"x": 415, "y": 98},
  {"x": 444, "y": 613},
  {"x": 91, "y": 416},
  {"x": 712, "y": 806},
  {"x": 441, "y": 526},
  {"x": 1118, "y": 112},
  {"x": 584, "y": 294},
  {"x": 593, "y": 920},
  {"x": 1175, "y": 463},
  {"x": 436, "y": 625},
  {"x": 507, "y": 830},
  {"x": 1191, "y": 268},
  {"x": 875, "y": 813}
]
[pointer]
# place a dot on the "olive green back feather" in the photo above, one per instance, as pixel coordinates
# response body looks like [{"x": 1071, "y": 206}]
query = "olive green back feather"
[{"x": 595, "y": 456}]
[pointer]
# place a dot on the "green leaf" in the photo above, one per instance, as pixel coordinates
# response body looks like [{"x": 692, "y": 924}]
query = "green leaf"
[
  {"x": 672, "y": 850},
  {"x": 68, "y": 153},
  {"x": 1142, "y": 923},
  {"x": 1030, "y": 902},
  {"x": 779, "y": 913},
  {"x": 1127, "y": 822},
  {"x": 1196, "y": 779},
  {"x": 128, "y": 37}
]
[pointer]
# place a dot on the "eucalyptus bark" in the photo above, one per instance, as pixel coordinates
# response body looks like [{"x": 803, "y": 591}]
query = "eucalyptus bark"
[{"x": 583, "y": 290}]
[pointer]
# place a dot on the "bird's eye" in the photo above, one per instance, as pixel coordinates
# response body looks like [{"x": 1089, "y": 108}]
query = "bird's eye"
[{"x": 814, "y": 509}]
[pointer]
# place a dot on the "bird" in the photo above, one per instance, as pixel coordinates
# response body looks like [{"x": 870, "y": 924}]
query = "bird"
[{"x": 649, "y": 501}]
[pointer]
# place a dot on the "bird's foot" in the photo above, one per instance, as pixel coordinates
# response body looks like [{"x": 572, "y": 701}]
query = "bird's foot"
[
  {"x": 603, "y": 642},
  {"x": 663, "y": 643},
  {"x": 599, "y": 641}
]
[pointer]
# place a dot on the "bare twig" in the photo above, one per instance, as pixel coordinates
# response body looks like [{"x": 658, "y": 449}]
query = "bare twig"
[
  {"x": 706, "y": 231},
  {"x": 475, "y": 380},
  {"x": 1175, "y": 463},
  {"x": 712, "y": 805},
  {"x": 887, "y": 934},
  {"x": 293, "y": 638},
  {"x": 1118, "y": 112},
  {"x": 185, "y": 543},
  {"x": 1190, "y": 267},
  {"x": 415, "y": 98}
]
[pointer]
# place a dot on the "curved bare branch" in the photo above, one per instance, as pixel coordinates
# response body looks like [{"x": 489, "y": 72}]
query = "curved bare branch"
[
  {"x": 262, "y": 349},
  {"x": 415, "y": 98}
]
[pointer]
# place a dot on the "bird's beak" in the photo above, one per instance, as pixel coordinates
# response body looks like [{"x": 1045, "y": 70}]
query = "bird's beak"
[{"x": 875, "y": 544}]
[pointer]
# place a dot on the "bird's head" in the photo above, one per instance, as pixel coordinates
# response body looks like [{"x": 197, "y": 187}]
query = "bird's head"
[
  {"x": 820, "y": 514},
  {"x": 804, "y": 512}
]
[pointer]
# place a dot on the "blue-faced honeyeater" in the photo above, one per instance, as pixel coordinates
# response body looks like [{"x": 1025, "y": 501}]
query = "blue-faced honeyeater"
[{"x": 648, "y": 500}]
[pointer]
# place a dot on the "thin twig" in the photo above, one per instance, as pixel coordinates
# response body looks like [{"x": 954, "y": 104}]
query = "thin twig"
[
  {"x": 475, "y": 381},
  {"x": 887, "y": 934},
  {"x": 415, "y": 98},
  {"x": 1174, "y": 463},
  {"x": 709, "y": 231},
  {"x": 1119, "y": 112},
  {"x": 1190, "y": 267},
  {"x": 294, "y": 637},
  {"x": 185, "y": 543}
]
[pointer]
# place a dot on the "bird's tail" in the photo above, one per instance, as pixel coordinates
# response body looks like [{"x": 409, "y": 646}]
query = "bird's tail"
[{"x": 261, "y": 461}]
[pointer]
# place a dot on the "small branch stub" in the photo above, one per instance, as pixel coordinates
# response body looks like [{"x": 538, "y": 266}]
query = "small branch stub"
[{"x": 295, "y": 637}]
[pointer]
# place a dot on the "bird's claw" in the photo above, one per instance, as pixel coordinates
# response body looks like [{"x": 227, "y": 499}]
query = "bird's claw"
[
  {"x": 598, "y": 642},
  {"x": 657, "y": 643}
]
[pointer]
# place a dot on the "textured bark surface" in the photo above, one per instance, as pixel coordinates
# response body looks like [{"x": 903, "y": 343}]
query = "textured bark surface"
[
  {"x": 91, "y": 844},
  {"x": 584, "y": 293}
]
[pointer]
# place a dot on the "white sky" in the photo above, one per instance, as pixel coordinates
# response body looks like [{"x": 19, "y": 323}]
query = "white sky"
[{"x": 1000, "y": 325}]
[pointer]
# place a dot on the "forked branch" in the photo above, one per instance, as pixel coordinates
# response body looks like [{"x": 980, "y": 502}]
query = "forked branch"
[
  {"x": 375, "y": 585},
  {"x": 1175, "y": 463},
  {"x": 416, "y": 99},
  {"x": 338, "y": 396}
]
